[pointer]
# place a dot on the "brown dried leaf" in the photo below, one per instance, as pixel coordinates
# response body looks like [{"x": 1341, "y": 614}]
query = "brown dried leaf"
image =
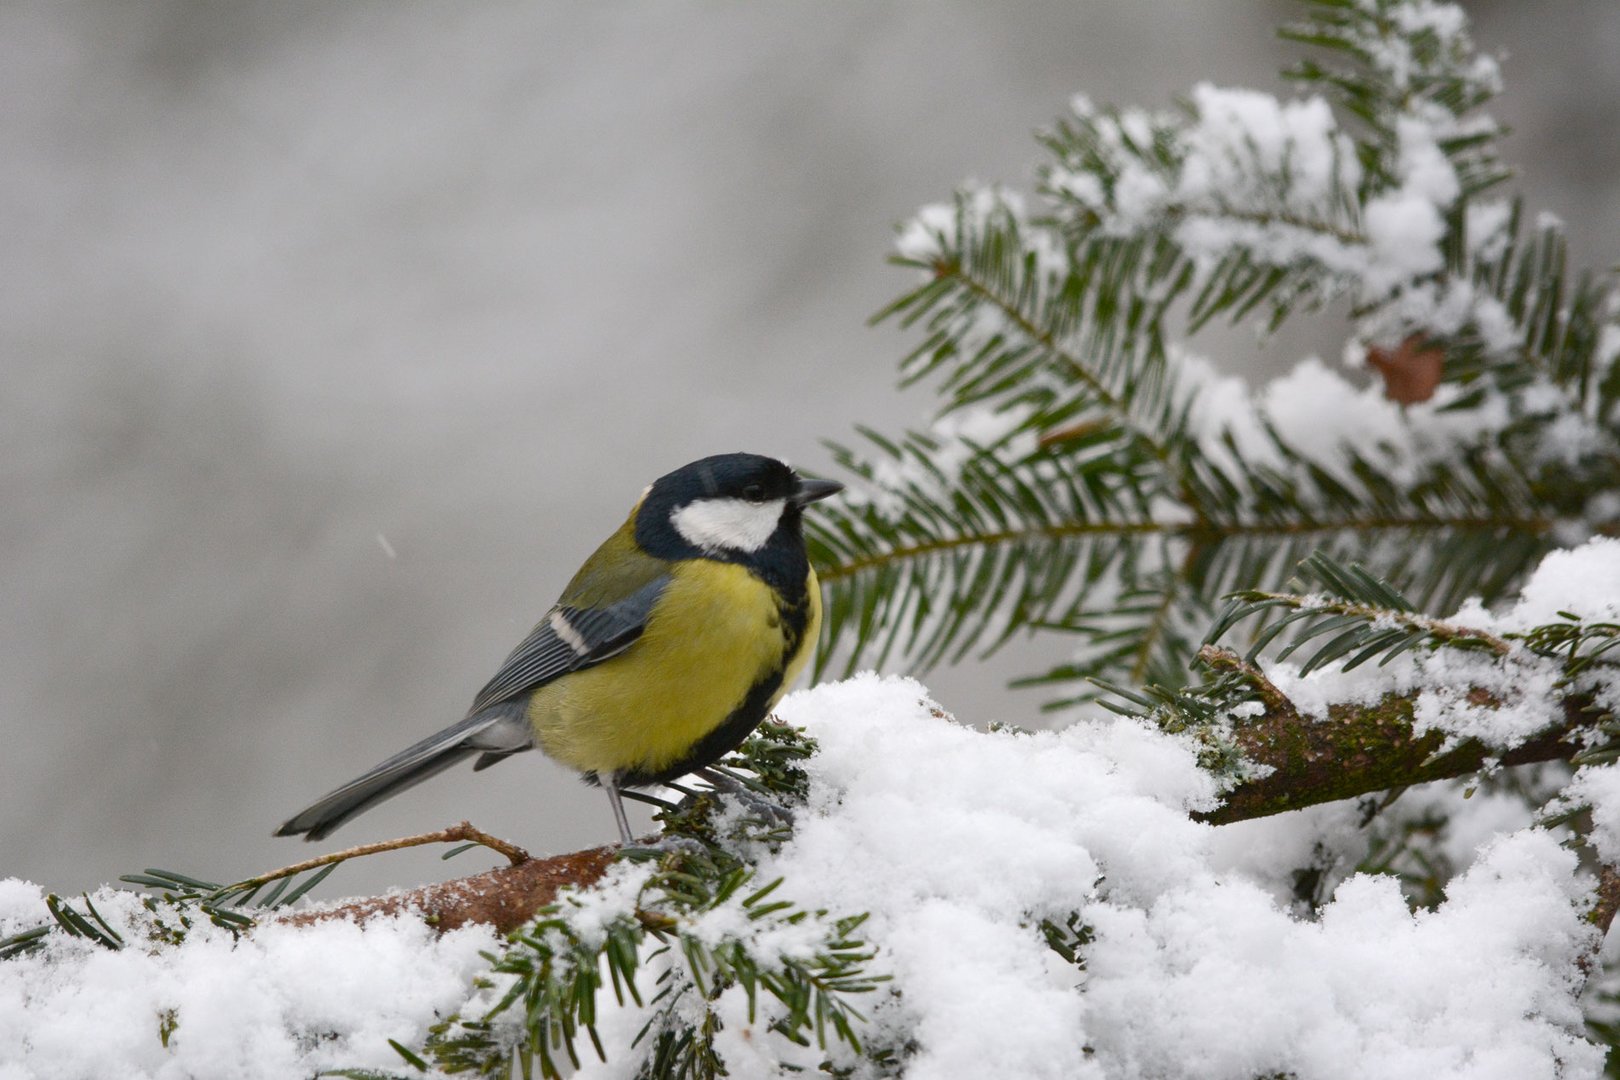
[{"x": 1412, "y": 371}]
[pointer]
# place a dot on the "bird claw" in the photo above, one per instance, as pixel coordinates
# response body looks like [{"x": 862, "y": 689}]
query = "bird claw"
[{"x": 754, "y": 805}]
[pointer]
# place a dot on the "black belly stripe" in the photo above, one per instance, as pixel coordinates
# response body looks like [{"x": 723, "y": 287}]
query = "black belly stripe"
[{"x": 745, "y": 717}]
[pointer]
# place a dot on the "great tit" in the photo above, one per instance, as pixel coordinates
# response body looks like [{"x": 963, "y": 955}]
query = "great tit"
[{"x": 667, "y": 648}]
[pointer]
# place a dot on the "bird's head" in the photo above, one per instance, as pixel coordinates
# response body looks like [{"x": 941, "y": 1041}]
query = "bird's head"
[{"x": 727, "y": 505}]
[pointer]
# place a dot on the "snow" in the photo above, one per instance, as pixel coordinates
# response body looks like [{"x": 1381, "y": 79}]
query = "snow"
[
  {"x": 1584, "y": 581},
  {"x": 1321, "y": 416},
  {"x": 281, "y": 1002},
  {"x": 1244, "y": 140},
  {"x": 1487, "y": 227},
  {"x": 1482, "y": 987},
  {"x": 1598, "y": 787},
  {"x": 958, "y": 842},
  {"x": 928, "y": 234}
]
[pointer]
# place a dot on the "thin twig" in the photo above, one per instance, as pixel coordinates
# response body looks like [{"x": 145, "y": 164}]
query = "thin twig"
[{"x": 460, "y": 833}]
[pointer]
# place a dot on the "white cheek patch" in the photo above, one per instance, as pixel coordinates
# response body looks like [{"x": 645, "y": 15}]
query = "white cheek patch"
[{"x": 728, "y": 524}]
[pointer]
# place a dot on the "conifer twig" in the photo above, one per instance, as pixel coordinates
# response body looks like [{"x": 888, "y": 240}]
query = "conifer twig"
[{"x": 1435, "y": 628}]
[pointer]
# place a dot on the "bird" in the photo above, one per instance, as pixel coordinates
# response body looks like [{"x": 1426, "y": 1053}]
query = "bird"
[{"x": 668, "y": 647}]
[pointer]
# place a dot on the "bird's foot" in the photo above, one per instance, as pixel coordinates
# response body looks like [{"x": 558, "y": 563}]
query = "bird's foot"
[{"x": 755, "y": 805}]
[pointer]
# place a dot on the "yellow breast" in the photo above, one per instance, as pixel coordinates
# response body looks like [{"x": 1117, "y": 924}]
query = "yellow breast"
[{"x": 716, "y": 633}]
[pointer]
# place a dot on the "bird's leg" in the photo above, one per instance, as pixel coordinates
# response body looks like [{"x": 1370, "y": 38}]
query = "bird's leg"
[{"x": 611, "y": 785}]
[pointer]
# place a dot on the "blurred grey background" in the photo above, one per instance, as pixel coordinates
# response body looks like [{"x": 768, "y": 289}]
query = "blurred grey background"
[{"x": 335, "y": 335}]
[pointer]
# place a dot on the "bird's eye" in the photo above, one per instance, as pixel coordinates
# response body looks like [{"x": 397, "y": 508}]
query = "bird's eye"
[{"x": 754, "y": 493}]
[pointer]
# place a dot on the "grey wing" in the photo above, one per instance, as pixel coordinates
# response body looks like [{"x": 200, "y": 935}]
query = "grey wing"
[{"x": 568, "y": 639}]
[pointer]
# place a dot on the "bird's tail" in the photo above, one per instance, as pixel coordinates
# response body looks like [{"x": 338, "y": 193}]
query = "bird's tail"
[{"x": 480, "y": 733}]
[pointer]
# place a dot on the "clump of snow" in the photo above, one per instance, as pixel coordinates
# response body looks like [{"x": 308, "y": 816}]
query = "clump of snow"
[
  {"x": 282, "y": 1002},
  {"x": 1245, "y": 144},
  {"x": 1608, "y": 347},
  {"x": 1214, "y": 980},
  {"x": 1405, "y": 225},
  {"x": 1583, "y": 581},
  {"x": 1319, "y": 415},
  {"x": 929, "y": 234},
  {"x": 1488, "y": 227}
]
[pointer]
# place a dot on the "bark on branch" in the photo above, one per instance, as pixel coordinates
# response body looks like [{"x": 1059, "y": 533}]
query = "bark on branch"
[
  {"x": 505, "y": 897},
  {"x": 1358, "y": 749}
]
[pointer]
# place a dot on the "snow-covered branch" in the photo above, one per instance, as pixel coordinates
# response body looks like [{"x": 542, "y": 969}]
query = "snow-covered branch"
[{"x": 1363, "y": 747}]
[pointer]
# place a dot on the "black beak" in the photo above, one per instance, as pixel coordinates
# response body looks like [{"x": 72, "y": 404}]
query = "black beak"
[{"x": 810, "y": 491}]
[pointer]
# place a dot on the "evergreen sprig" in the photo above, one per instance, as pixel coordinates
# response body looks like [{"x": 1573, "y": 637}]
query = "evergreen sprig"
[
  {"x": 174, "y": 903},
  {"x": 1347, "y": 615},
  {"x": 1384, "y": 59},
  {"x": 1073, "y": 482},
  {"x": 556, "y": 968}
]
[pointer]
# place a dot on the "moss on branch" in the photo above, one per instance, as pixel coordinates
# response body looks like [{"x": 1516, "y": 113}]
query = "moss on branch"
[{"x": 1360, "y": 749}]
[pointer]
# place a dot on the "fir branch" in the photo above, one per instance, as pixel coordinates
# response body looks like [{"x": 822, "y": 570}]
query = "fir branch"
[
  {"x": 929, "y": 565},
  {"x": 1365, "y": 616},
  {"x": 1058, "y": 326},
  {"x": 556, "y": 973},
  {"x": 1358, "y": 749},
  {"x": 1067, "y": 361}
]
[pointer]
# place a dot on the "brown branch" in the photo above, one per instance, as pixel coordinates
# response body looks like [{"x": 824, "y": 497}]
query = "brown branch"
[
  {"x": 1436, "y": 628},
  {"x": 505, "y": 897},
  {"x": 1608, "y": 898},
  {"x": 1358, "y": 749},
  {"x": 1605, "y": 902}
]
